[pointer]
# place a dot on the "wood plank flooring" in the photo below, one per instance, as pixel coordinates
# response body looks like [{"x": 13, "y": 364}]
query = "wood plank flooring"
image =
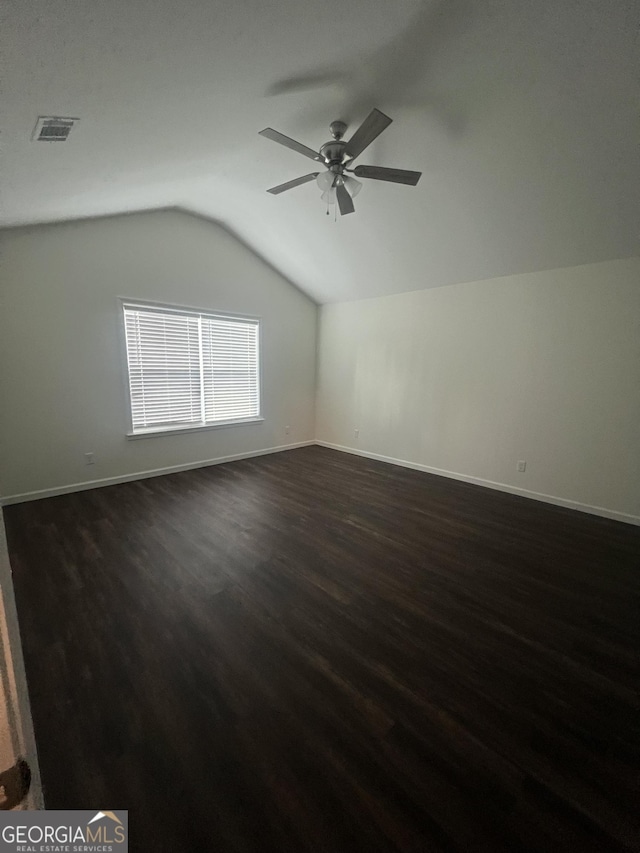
[{"x": 312, "y": 651}]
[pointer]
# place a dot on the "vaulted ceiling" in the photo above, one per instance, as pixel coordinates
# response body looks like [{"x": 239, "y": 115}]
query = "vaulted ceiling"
[{"x": 523, "y": 117}]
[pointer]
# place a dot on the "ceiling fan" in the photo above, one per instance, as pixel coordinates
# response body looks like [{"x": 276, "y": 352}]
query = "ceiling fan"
[{"x": 336, "y": 182}]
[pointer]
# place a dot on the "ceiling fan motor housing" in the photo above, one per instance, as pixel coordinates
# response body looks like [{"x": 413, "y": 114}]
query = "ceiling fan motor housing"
[{"x": 333, "y": 152}]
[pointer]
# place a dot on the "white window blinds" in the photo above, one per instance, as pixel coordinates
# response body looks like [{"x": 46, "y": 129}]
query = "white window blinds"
[{"x": 190, "y": 369}]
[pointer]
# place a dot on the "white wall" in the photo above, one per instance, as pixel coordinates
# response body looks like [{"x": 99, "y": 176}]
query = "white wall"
[
  {"x": 470, "y": 378},
  {"x": 466, "y": 379},
  {"x": 62, "y": 383}
]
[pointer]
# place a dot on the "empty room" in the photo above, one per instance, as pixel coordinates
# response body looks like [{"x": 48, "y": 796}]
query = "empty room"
[{"x": 320, "y": 425}]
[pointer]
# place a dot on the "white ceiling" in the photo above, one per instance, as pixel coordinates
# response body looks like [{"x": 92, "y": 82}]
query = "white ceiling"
[{"x": 523, "y": 116}]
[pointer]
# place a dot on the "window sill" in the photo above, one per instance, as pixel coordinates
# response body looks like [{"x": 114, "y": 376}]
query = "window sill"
[{"x": 153, "y": 433}]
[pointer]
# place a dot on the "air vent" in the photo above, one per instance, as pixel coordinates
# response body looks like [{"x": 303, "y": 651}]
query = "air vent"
[{"x": 53, "y": 129}]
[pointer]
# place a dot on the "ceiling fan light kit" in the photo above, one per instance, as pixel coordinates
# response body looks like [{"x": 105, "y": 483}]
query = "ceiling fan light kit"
[{"x": 336, "y": 183}]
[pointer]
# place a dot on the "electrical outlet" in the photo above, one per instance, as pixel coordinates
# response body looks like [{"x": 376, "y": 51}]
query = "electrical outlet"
[
  {"x": 521, "y": 466},
  {"x": 356, "y": 433},
  {"x": 88, "y": 459},
  {"x": 287, "y": 429}
]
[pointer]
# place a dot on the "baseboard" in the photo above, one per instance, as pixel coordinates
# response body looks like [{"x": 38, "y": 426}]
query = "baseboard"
[
  {"x": 143, "y": 475},
  {"x": 490, "y": 484},
  {"x": 453, "y": 475}
]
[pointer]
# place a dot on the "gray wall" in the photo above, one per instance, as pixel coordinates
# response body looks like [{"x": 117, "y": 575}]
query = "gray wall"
[{"x": 63, "y": 378}]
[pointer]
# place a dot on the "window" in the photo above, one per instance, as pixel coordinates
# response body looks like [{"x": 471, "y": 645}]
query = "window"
[{"x": 190, "y": 369}]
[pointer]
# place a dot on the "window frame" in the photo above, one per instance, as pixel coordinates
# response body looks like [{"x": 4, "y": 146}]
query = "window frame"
[{"x": 153, "y": 432}]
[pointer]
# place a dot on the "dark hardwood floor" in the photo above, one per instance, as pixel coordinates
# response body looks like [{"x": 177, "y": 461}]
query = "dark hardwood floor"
[{"x": 312, "y": 651}]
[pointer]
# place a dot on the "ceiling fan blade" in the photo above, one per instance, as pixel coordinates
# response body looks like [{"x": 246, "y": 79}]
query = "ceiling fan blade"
[
  {"x": 276, "y": 136},
  {"x": 295, "y": 183},
  {"x": 304, "y": 82},
  {"x": 345, "y": 202},
  {"x": 370, "y": 128},
  {"x": 396, "y": 176}
]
